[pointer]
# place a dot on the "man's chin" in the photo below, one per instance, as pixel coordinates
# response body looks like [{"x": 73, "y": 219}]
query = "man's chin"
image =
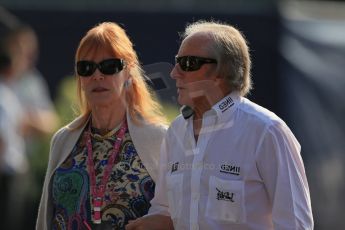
[{"x": 184, "y": 101}]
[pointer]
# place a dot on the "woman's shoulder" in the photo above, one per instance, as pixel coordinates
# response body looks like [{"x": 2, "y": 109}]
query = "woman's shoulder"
[
  {"x": 74, "y": 126},
  {"x": 142, "y": 124},
  {"x": 152, "y": 128},
  {"x": 156, "y": 127},
  {"x": 146, "y": 133}
]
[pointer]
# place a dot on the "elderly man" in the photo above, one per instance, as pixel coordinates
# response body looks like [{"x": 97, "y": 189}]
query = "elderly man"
[{"x": 227, "y": 163}]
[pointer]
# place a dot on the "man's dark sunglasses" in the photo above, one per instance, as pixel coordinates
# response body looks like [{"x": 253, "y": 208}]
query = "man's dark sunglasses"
[
  {"x": 192, "y": 63},
  {"x": 107, "y": 67}
]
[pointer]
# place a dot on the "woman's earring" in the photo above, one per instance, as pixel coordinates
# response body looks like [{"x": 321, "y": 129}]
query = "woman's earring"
[{"x": 127, "y": 83}]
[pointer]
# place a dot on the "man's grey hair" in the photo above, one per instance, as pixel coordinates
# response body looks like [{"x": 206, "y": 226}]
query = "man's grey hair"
[{"x": 230, "y": 48}]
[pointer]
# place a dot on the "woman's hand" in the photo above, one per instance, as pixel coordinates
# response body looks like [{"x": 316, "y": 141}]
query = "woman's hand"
[{"x": 151, "y": 222}]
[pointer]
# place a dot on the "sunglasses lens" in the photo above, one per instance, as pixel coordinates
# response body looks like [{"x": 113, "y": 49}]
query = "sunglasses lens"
[
  {"x": 193, "y": 63},
  {"x": 188, "y": 63},
  {"x": 111, "y": 66},
  {"x": 107, "y": 67},
  {"x": 85, "y": 68}
]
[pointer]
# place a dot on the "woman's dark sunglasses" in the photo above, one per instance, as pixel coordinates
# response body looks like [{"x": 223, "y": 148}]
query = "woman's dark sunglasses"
[
  {"x": 107, "y": 67},
  {"x": 192, "y": 63}
]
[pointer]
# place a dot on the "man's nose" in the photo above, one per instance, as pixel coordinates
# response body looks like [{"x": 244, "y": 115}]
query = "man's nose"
[{"x": 175, "y": 72}]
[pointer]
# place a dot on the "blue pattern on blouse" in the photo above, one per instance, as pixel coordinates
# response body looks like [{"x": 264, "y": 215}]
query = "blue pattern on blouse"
[{"x": 128, "y": 193}]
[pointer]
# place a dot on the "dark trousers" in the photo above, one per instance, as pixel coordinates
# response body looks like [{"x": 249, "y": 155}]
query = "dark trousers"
[{"x": 5, "y": 181}]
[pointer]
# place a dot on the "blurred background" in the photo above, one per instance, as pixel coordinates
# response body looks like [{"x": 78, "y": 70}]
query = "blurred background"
[{"x": 298, "y": 56}]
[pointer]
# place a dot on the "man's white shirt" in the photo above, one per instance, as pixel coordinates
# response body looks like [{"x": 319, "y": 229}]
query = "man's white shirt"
[{"x": 244, "y": 172}]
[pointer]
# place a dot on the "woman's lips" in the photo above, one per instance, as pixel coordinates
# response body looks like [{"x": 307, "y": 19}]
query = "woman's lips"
[{"x": 99, "y": 89}]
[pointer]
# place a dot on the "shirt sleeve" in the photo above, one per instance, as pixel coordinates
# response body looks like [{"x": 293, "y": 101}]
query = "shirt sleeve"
[
  {"x": 159, "y": 203},
  {"x": 282, "y": 170}
]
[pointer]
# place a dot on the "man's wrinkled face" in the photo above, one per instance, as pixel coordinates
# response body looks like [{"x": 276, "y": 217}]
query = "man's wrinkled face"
[{"x": 195, "y": 70}]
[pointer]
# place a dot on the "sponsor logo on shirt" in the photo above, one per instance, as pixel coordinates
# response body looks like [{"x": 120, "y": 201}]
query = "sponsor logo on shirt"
[
  {"x": 231, "y": 169},
  {"x": 174, "y": 167},
  {"x": 226, "y": 104},
  {"x": 226, "y": 196}
]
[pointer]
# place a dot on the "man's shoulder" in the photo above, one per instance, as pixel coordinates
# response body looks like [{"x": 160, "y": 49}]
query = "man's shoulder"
[{"x": 258, "y": 113}]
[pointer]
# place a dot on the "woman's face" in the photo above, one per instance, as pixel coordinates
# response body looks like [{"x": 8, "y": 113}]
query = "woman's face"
[{"x": 102, "y": 90}]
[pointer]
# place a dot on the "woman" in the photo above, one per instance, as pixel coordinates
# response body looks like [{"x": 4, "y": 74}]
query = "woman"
[{"x": 103, "y": 165}]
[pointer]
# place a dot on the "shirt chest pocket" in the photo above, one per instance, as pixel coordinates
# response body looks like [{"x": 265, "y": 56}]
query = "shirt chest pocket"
[
  {"x": 174, "y": 185},
  {"x": 225, "y": 200}
]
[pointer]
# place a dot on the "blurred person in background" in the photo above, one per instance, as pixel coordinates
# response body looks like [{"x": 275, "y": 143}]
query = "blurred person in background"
[
  {"x": 29, "y": 84},
  {"x": 13, "y": 160},
  {"x": 228, "y": 163},
  {"x": 103, "y": 166},
  {"x": 40, "y": 120}
]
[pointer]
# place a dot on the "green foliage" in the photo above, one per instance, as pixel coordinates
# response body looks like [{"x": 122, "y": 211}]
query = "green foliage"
[
  {"x": 170, "y": 111},
  {"x": 66, "y": 100}
]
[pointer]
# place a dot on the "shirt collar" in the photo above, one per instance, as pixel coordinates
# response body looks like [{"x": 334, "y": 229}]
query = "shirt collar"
[
  {"x": 223, "y": 107},
  {"x": 221, "y": 111},
  {"x": 227, "y": 105}
]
